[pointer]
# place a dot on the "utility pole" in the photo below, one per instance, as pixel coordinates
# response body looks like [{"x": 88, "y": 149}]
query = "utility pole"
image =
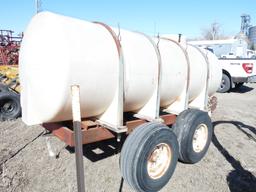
[{"x": 38, "y": 5}]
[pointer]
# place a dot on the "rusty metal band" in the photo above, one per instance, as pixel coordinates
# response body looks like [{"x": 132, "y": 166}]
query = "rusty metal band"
[
  {"x": 159, "y": 75},
  {"x": 188, "y": 63},
  {"x": 114, "y": 36},
  {"x": 207, "y": 75},
  {"x": 121, "y": 69}
]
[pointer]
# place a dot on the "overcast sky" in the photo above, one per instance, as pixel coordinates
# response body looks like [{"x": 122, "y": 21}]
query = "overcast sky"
[{"x": 149, "y": 16}]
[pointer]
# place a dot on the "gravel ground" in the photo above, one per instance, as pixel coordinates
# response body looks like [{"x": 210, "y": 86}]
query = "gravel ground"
[{"x": 230, "y": 164}]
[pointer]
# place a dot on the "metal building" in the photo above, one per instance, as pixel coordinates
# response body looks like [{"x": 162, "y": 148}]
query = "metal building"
[
  {"x": 245, "y": 23},
  {"x": 229, "y": 48},
  {"x": 252, "y": 36}
]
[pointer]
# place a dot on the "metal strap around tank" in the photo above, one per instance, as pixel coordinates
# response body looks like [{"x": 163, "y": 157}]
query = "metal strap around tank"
[
  {"x": 207, "y": 75},
  {"x": 159, "y": 75},
  {"x": 121, "y": 69},
  {"x": 188, "y": 66}
]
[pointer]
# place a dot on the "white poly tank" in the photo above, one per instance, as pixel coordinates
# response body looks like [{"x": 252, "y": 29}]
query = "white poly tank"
[{"x": 58, "y": 51}]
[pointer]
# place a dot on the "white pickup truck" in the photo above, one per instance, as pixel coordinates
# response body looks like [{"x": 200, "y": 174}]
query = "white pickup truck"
[{"x": 236, "y": 72}]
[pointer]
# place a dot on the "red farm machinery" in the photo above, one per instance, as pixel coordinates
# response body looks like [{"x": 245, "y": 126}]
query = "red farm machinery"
[{"x": 9, "y": 81}]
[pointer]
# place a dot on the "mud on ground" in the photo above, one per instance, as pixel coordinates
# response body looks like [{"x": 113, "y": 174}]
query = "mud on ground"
[{"x": 230, "y": 164}]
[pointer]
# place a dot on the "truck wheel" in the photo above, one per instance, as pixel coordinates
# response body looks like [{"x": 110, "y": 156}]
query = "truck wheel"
[
  {"x": 238, "y": 85},
  {"x": 9, "y": 106},
  {"x": 194, "y": 132},
  {"x": 225, "y": 84},
  {"x": 149, "y": 157}
]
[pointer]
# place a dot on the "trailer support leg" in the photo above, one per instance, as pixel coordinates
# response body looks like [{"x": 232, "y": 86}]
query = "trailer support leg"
[{"x": 78, "y": 138}]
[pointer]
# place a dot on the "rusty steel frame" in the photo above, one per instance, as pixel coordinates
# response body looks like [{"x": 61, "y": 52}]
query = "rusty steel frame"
[
  {"x": 117, "y": 124},
  {"x": 183, "y": 49},
  {"x": 93, "y": 131},
  {"x": 153, "y": 113},
  {"x": 207, "y": 77}
]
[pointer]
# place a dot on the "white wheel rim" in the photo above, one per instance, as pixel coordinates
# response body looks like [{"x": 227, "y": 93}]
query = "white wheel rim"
[
  {"x": 200, "y": 138},
  {"x": 223, "y": 83},
  {"x": 159, "y": 161}
]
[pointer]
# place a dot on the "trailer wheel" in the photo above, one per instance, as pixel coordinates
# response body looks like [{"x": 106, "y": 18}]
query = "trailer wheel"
[
  {"x": 3, "y": 88},
  {"x": 225, "y": 84},
  {"x": 9, "y": 105},
  {"x": 194, "y": 132},
  {"x": 149, "y": 157}
]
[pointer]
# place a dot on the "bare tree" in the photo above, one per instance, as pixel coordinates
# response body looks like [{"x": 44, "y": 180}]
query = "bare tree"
[{"x": 213, "y": 32}]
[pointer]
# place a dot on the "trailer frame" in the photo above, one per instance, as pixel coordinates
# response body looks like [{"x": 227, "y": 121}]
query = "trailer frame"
[{"x": 92, "y": 131}]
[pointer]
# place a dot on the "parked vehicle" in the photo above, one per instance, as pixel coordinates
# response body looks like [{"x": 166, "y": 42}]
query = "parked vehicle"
[{"x": 236, "y": 72}]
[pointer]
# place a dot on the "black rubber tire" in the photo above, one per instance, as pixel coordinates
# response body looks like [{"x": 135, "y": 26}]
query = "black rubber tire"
[
  {"x": 9, "y": 105},
  {"x": 184, "y": 128},
  {"x": 3, "y": 88},
  {"x": 136, "y": 150},
  {"x": 225, "y": 85},
  {"x": 238, "y": 85}
]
